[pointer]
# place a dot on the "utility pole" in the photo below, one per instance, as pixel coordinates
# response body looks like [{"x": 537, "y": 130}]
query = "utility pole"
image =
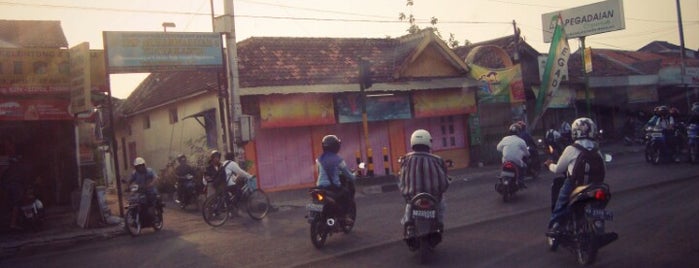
[
  {"x": 682, "y": 64},
  {"x": 227, "y": 26}
]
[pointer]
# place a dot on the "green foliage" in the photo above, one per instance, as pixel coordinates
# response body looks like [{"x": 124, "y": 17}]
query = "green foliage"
[{"x": 413, "y": 28}]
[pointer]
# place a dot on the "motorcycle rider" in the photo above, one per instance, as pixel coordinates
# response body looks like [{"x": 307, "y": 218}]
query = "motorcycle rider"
[
  {"x": 235, "y": 176},
  {"x": 694, "y": 114},
  {"x": 583, "y": 132},
  {"x": 423, "y": 172},
  {"x": 330, "y": 167},
  {"x": 182, "y": 171},
  {"x": 146, "y": 179},
  {"x": 565, "y": 132},
  {"x": 514, "y": 149},
  {"x": 214, "y": 175},
  {"x": 666, "y": 123}
]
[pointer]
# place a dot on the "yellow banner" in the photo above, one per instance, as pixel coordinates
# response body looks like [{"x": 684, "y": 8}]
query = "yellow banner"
[
  {"x": 34, "y": 71},
  {"x": 296, "y": 110},
  {"x": 443, "y": 102}
]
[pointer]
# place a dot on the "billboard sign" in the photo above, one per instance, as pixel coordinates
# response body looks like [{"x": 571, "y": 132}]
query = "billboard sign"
[
  {"x": 34, "y": 71},
  {"x": 586, "y": 20},
  {"x": 143, "y": 52},
  {"x": 80, "y": 100}
]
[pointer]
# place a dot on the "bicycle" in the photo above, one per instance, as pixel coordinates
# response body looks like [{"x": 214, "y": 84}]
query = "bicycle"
[{"x": 218, "y": 208}]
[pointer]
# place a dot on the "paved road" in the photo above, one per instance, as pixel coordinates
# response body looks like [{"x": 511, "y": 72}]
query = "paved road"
[{"x": 282, "y": 239}]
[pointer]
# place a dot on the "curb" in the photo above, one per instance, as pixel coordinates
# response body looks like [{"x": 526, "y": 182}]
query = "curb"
[{"x": 19, "y": 248}]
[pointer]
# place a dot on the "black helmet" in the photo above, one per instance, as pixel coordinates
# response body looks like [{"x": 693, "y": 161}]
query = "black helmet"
[
  {"x": 181, "y": 158},
  {"x": 331, "y": 143}
]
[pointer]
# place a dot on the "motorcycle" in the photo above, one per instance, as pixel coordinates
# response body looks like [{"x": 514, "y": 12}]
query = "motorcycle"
[
  {"x": 583, "y": 229},
  {"x": 32, "y": 210},
  {"x": 141, "y": 214},
  {"x": 186, "y": 191},
  {"x": 324, "y": 214},
  {"x": 533, "y": 162},
  {"x": 422, "y": 231},
  {"x": 507, "y": 185},
  {"x": 693, "y": 142}
]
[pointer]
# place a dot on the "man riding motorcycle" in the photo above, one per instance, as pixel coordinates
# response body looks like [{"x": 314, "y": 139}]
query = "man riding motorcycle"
[
  {"x": 145, "y": 178},
  {"x": 184, "y": 173},
  {"x": 330, "y": 167},
  {"x": 666, "y": 122},
  {"x": 514, "y": 149},
  {"x": 423, "y": 172},
  {"x": 583, "y": 133}
]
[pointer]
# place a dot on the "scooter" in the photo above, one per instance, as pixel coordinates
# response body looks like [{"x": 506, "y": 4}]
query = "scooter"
[
  {"x": 32, "y": 210},
  {"x": 140, "y": 214},
  {"x": 507, "y": 184},
  {"x": 422, "y": 232}
]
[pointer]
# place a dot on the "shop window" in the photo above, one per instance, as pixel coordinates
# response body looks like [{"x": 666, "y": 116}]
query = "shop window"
[
  {"x": 146, "y": 121},
  {"x": 447, "y": 133},
  {"x": 173, "y": 115}
]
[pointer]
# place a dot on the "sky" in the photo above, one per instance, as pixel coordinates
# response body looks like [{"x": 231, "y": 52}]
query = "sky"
[{"x": 472, "y": 20}]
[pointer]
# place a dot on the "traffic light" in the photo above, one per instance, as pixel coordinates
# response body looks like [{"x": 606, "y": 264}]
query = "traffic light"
[{"x": 365, "y": 74}]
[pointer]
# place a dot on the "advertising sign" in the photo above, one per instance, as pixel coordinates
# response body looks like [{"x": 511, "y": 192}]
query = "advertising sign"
[
  {"x": 142, "y": 52},
  {"x": 34, "y": 110},
  {"x": 98, "y": 71},
  {"x": 378, "y": 108},
  {"x": 80, "y": 100},
  {"x": 34, "y": 71},
  {"x": 432, "y": 103},
  {"x": 586, "y": 20}
]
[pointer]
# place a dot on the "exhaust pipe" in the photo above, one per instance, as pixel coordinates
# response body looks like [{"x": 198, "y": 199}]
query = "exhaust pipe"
[{"x": 330, "y": 222}]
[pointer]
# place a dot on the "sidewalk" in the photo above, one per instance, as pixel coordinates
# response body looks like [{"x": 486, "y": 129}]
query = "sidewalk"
[{"x": 61, "y": 229}]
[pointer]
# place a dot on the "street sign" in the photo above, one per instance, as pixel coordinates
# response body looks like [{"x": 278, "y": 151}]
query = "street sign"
[{"x": 586, "y": 20}]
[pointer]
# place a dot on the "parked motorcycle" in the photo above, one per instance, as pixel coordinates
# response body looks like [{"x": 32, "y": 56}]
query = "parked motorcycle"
[
  {"x": 693, "y": 142},
  {"x": 422, "y": 232},
  {"x": 32, "y": 210},
  {"x": 141, "y": 214},
  {"x": 186, "y": 191},
  {"x": 583, "y": 229},
  {"x": 507, "y": 184}
]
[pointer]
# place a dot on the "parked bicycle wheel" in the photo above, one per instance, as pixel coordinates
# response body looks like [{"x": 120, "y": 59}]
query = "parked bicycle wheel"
[
  {"x": 215, "y": 210},
  {"x": 257, "y": 204}
]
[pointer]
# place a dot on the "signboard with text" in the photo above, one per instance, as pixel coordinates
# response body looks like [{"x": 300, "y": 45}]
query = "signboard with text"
[
  {"x": 586, "y": 20},
  {"x": 142, "y": 52},
  {"x": 80, "y": 100},
  {"x": 34, "y": 71}
]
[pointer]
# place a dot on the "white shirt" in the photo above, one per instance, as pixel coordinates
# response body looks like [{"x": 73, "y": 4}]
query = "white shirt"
[
  {"x": 567, "y": 160},
  {"x": 233, "y": 170},
  {"x": 513, "y": 149}
]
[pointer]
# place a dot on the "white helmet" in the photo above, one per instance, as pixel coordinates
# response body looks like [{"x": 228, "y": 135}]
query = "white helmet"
[
  {"x": 139, "y": 161},
  {"x": 421, "y": 136},
  {"x": 583, "y": 128}
]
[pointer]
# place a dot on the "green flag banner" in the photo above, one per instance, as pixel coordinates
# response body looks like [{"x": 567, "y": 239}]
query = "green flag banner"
[{"x": 556, "y": 62}]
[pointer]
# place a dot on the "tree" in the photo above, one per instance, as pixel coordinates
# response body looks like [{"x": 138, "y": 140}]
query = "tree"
[{"x": 413, "y": 28}]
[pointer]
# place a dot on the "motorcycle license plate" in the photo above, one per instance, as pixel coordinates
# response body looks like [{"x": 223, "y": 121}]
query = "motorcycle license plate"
[
  {"x": 430, "y": 214},
  {"x": 599, "y": 214},
  {"x": 504, "y": 174},
  {"x": 315, "y": 207}
]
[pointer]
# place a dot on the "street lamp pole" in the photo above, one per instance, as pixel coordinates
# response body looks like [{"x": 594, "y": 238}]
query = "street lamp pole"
[{"x": 168, "y": 24}]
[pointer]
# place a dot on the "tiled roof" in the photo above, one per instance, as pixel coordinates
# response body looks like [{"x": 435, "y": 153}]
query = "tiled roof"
[
  {"x": 668, "y": 49},
  {"x": 159, "y": 88},
  {"x": 32, "y": 34},
  {"x": 610, "y": 62},
  {"x": 284, "y": 61}
]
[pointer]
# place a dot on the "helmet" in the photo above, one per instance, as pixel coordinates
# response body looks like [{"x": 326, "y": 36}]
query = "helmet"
[
  {"x": 214, "y": 153},
  {"x": 181, "y": 157},
  {"x": 421, "y": 137},
  {"x": 663, "y": 110},
  {"x": 331, "y": 143},
  {"x": 514, "y": 129},
  {"x": 139, "y": 161},
  {"x": 674, "y": 112},
  {"x": 522, "y": 125},
  {"x": 583, "y": 128}
]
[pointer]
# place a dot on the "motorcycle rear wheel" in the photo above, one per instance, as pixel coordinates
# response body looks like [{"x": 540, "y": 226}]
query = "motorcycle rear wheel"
[
  {"x": 257, "y": 204},
  {"x": 158, "y": 224},
  {"x": 132, "y": 222},
  {"x": 425, "y": 248},
  {"x": 352, "y": 210},
  {"x": 656, "y": 156},
  {"x": 318, "y": 233},
  {"x": 215, "y": 210},
  {"x": 693, "y": 151},
  {"x": 586, "y": 251}
]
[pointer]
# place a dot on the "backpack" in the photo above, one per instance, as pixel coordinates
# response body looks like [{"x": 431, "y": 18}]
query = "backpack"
[{"x": 588, "y": 167}]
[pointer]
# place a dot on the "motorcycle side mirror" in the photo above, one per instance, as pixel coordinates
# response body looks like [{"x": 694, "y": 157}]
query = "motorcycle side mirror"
[{"x": 607, "y": 158}]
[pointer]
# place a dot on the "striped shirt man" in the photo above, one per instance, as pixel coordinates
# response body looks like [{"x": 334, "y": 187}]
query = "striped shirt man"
[{"x": 422, "y": 172}]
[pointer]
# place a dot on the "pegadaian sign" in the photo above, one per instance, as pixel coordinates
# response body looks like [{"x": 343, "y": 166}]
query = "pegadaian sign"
[
  {"x": 138, "y": 52},
  {"x": 586, "y": 20}
]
